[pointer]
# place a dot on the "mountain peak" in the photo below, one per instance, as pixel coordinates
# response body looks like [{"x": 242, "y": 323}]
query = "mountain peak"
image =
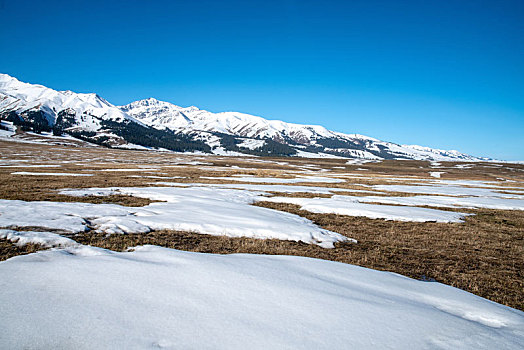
[
  {"x": 159, "y": 119},
  {"x": 6, "y": 77},
  {"x": 151, "y": 100},
  {"x": 7, "y": 80},
  {"x": 147, "y": 102}
]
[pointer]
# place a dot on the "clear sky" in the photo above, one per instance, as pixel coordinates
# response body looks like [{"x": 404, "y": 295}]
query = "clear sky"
[{"x": 444, "y": 74}]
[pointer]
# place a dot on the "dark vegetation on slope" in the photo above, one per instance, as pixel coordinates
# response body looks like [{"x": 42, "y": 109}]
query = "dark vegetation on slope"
[
  {"x": 270, "y": 147},
  {"x": 66, "y": 123},
  {"x": 31, "y": 120},
  {"x": 151, "y": 137}
]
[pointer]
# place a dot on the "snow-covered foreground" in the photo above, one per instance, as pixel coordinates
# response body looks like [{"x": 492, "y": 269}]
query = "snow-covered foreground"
[
  {"x": 82, "y": 297},
  {"x": 224, "y": 212}
]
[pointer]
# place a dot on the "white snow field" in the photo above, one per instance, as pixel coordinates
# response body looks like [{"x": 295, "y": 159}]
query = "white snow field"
[
  {"x": 215, "y": 211},
  {"x": 349, "y": 205},
  {"x": 90, "y": 298},
  {"x": 450, "y": 190},
  {"x": 45, "y": 239},
  {"x": 449, "y": 202},
  {"x": 338, "y": 204},
  {"x": 268, "y": 188},
  {"x": 436, "y": 174}
]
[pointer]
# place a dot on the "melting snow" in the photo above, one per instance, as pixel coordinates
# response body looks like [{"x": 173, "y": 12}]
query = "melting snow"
[
  {"x": 436, "y": 174},
  {"x": 270, "y": 188},
  {"x": 83, "y": 297},
  {"x": 449, "y": 190},
  {"x": 215, "y": 211},
  {"x": 348, "y": 205},
  {"x": 244, "y": 178},
  {"x": 129, "y": 169},
  {"x": 46, "y": 239},
  {"x": 450, "y": 202}
]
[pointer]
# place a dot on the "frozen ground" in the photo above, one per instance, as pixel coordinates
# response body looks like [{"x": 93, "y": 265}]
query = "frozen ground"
[
  {"x": 279, "y": 180},
  {"x": 76, "y": 296},
  {"x": 82, "y": 297},
  {"x": 343, "y": 205},
  {"x": 348, "y": 205},
  {"x": 449, "y": 202},
  {"x": 224, "y": 212},
  {"x": 271, "y": 188},
  {"x": 450, "y": 190}
]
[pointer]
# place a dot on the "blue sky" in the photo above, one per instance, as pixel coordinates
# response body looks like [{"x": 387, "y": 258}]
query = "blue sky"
[{"x": 444, "y": 74}]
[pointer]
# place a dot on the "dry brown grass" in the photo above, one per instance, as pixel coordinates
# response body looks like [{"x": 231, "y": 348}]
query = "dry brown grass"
[
  {"x": 8, "y": 249},
  {"x": 44, "y": 188},
  {"x": 484, "y": 255}
]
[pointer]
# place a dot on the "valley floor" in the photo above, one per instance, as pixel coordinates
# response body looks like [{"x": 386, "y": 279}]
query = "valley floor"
[{"x": 460, "y": 224}]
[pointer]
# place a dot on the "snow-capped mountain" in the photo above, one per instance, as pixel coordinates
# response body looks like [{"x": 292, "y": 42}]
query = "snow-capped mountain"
[
  {"x": 161, "y": 114},
  {"x": 157, "y": 124},
  {"x": 86, "y": 116},
  {"x": 89, "y": 109},
  {"x": 304, "y": 138}
]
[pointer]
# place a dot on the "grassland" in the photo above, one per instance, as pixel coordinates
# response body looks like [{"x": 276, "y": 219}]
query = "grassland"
[{"x": 484, "y": 255}]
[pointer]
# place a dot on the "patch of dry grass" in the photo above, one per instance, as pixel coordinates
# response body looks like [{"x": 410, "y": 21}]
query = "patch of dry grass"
[
  {"x": 8, "y": 249},
  {"x": 44, "y": 188}
]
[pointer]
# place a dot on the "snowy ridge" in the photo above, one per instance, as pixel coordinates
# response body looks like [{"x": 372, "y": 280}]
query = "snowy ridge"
[
  {"x": 151, "y": 123},
  {"x": 162, "y": 115},
  {"x": 21, "y": 97}
]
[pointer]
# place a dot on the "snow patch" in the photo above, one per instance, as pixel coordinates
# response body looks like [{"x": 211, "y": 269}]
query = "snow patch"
[
  {"x": 251, "y": 144},
  {"x": 45, "y": 239},
  {"x": 215, "y": 211},
  {"x": 436, "y": 174},
  {"x": 152, "y": 297},
  {"x": 349, "y": 205},
  {"x": 299, "y": 178}
]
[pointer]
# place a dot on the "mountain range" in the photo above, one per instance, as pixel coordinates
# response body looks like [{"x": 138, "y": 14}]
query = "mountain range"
[{"x": 153, "y": 124}]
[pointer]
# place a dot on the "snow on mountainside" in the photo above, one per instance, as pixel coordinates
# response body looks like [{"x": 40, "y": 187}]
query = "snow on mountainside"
[
  {"x": 310, "y": 138},
  {"x": 16, "y": 96},
  {"x": 156, "y": 124},
  {"x": 166, "y": 115},
  {"x": 85, "y": 116}
]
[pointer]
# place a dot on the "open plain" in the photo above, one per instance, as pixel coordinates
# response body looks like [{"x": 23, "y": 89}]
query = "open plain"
[{"x": 457, "y": 223}]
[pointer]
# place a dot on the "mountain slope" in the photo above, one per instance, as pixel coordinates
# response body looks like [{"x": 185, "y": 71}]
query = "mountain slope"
[
  {"x": 303, "y": 138},
  {"x": 85, "y": 116},
  {"x": 89, "y": 109},
  {"x": 156, "y": 124}
]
